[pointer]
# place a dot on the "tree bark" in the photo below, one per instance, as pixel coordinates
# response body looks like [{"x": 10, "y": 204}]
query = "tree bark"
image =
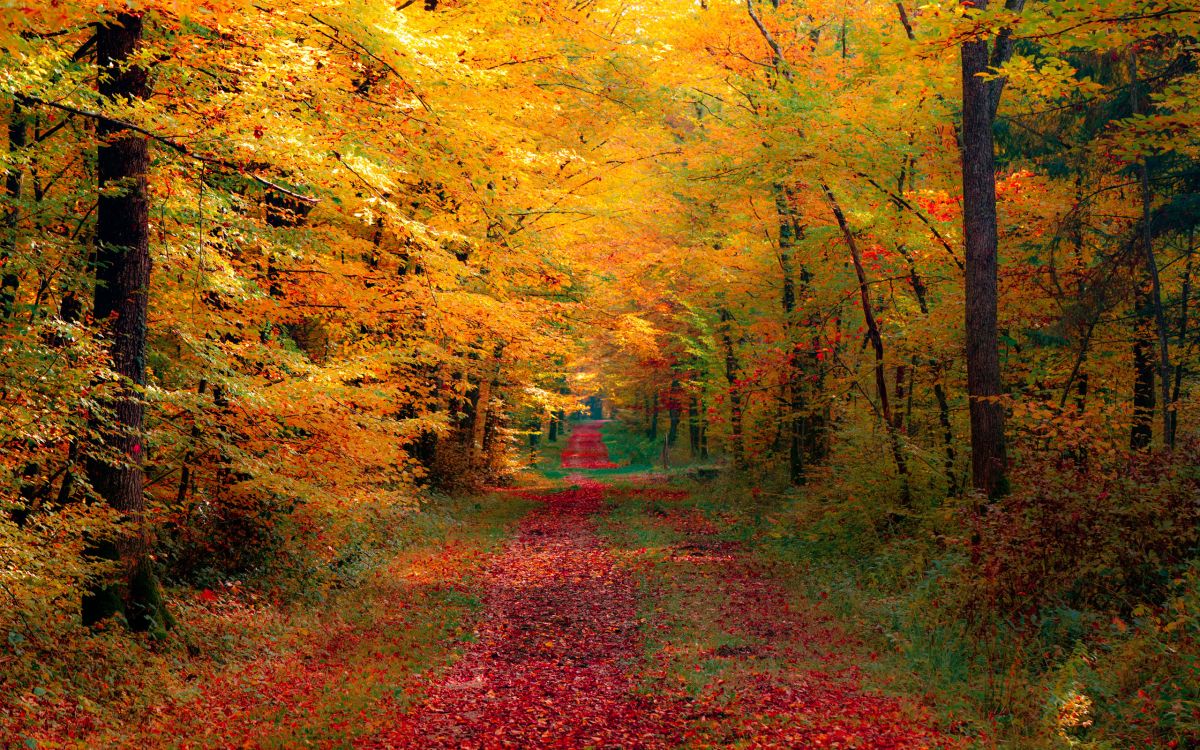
[
  {"x": 652, "y": 417},
  {"x": 482, "y": 404},
  {"x": 18, "y": 138},
  {"x": 989, "y": 461},
  {"x": 1155, "y": 291},
  {"x": 114, "y": 467},
  {"x": 793, "y": 399},
  {"x": 736, "y": 437},
  {"x": 1141, "y": 432},
  {"x": 673, "y": 413},
  {"x": 1184, "y": 298},
  {"x": 693, "y": 427},
  {"x": 917, "y": 282}
]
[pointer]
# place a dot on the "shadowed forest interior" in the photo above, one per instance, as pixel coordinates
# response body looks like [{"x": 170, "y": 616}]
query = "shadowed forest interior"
[{"x": 598, "y": 374}]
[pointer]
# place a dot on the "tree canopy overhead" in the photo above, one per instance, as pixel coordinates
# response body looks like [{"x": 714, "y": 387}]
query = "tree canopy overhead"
[{"x": 274, "y": 274}]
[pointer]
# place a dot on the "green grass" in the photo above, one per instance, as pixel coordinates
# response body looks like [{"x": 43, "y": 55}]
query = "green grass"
[
  {"x": 871, "y": 585},
  {"x": 352, "y": 651},
  {"x": 438, "y": 624}
]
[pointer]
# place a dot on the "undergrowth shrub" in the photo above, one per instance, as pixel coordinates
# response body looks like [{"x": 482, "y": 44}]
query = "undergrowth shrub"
[
  {"x": 1066, "y": 614},
  {"x": 1107, "y": 537}
]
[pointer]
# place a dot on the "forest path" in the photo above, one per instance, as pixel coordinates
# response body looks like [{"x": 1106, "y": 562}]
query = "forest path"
[
  {"x": 552, "y": 666},
  {"x": 588, "y": 640}
]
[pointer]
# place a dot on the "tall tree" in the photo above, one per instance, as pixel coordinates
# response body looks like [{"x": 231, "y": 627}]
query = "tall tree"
[
  {"x": 981, "y": 98},
  {"x": 14, "y": 184},
  {"x": 114, "y": 467},
  {"x": 736, "y": 435}
]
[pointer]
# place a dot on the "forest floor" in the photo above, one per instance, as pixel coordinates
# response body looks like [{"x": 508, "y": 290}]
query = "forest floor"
[
  {"x": 615, "y": 618},
  {"x": 597, "y": 613}
]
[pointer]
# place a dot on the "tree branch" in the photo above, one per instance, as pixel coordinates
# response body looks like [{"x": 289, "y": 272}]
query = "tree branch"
[
  {"x": 166, "y": 141},
  {"x": 776, "y": 50}
]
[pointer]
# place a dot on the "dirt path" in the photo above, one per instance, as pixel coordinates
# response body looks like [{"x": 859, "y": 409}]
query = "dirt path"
[
  {"x": 561, "y": 657},
  {"x": 552, "y": 666}
]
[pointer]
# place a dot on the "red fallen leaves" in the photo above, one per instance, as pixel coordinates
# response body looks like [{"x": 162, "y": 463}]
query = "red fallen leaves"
[
  {"x": 558, "y": 654},
  {"x": 790, "y": 707},
  {"x": 557, "y": 660},
  {"x": 585, "y": 448},
  {"x": 552, "y": 664}
]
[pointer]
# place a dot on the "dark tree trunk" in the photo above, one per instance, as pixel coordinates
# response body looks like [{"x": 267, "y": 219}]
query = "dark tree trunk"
[
  {"x": 917, "y": 282},
  {"x": 736, "y": 438},
  {"x": 122, "y": 287},
  {"x": 1155, "y": 298},
  {"x": 793, "y": 392},
  {"x": 673, "y": 414},
  {"x": 535, "y": 433},
  {"x": 1141, "y": 433},
  {"x": 876, "y": 338},
  {"x": 989, "y": 462},
  {"x": 186, "y": 480},
  {"x": 1185, "y": 294},
  {"x": 479, "y": 424},
  {"x": 693, "y": 427},
  {"x": 13, "y": 184},
  {"x": 652, "y": 427},
  {"x": 552, "y": 436}
]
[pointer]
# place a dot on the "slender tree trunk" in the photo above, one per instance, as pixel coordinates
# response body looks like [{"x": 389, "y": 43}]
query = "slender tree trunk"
[
  {"x": 693, "y": 427},
  {"x": 185, "y": 473},
  {"x": 793, "y": 392},
  {"x": 1141, "y": 433},
  {"x": 736, "y": 437},
  {"x": 897, "y": 413},
  {"x": 876, "y": 338},
  {"x": 673, "y": 414},
  {"x": 552, "y": 436},
  {"x": 70, "y": 310},
  {"x": 14, "y": 189},
  {"x": 122, "y": 287},
  {"x": 482, "y": 407},
  {"x": 1184, "y": 297},
  {"x": 1156, "y": 301},
  {"x": 989, "y": 461},
  {"x": 535, "y": 433},
  {"x": 939, "y": 391},
  {"x": 652, "y": 428}
]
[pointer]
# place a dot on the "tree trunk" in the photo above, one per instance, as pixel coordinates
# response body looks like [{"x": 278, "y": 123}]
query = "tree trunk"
[
  {"x": 989, "y": 462},
  {"x": 482, "y": 402},
  {"x": 552, "y": 434},
  {"x": 876, "y": 338},
  {"x": 114, "y": 468},
  {"x": 736, "y": 439},
  {"x": 673, "y": 414},
  {"x": 1141, "y": 432},
  {"x": 652, "y": 427},
  {"x": 1184, "y": 297},
  {"x": 14, "y": 184},
  {"x": 939, "y": 391},
  {"x": 693, "y": 427},
  {"x": 793, "y": 396},
  {"x": 1155, "y": 291}
]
